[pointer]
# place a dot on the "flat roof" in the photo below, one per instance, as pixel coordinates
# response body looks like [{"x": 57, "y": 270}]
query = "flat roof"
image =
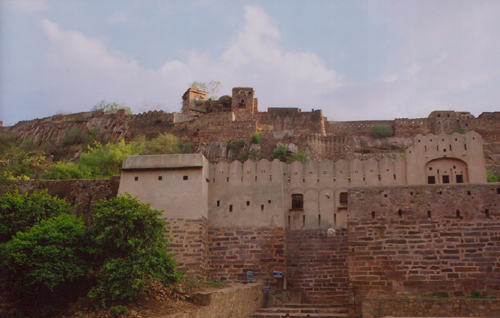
[{"x": 170, "y": 161}]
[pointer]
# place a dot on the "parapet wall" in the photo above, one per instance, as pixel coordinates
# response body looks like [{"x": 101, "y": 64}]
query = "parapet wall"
[{"x": 424, "y": 240}]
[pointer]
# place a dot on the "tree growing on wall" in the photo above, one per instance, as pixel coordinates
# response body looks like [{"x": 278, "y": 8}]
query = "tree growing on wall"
[{"x": 381, "y": 131}]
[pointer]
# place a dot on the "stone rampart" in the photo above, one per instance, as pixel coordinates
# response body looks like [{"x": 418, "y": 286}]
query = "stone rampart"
[
  {"x": 189, "y": 245},
  {"x": 418, "y": 307},
  {"x": 317, "y": 263},
  {"x": 424, "y": 240},
  {"x": 233, "y": 252}
]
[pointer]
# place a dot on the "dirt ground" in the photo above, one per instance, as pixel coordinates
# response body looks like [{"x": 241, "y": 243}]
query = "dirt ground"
[{"x": 156, "y": 301}]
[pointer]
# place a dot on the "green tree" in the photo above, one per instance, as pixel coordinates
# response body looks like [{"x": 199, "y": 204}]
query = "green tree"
[
  {"x": 46, "y": 259},
  {"x": 381, "y": 131},
  {"x": 131, "y": 248},
  {"x": 19, "y": 212},
  {"x": 211, "y": 88}
]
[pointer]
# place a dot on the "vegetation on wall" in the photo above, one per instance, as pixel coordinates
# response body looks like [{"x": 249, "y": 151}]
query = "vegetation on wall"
[
  {"x": 105, "y": 106},
  {"x": 491, "y": 177},
  {"x": 381, "y": 131},
  {"x": 48, "y": 253}
]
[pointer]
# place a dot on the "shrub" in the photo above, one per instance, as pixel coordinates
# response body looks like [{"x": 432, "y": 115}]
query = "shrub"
[
  {"x": 19, "y": 212},
  {"x": 116, "y": 310},
  {"x": 67, "y": 170},
  {"x": 163, "y": 144},
  {"x": 47, "y": 258},
  {"x": 280, "y": 153},
  {"x": 240, "y": 143},
  {"x": 131, "y": 249},
  {"x": 381, "y": 131},
  {"x": 158, "y": 120},
  {"x": 255, "y": 138},
  {"x": 491, "y": 177},
  {"x": 72, "y": 137},
  {"x": 301, "y": 156}
]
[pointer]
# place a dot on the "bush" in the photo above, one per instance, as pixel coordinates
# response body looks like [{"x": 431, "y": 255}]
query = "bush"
[
  {"x": 301, "y": 156},
  {"x": 67, "y": 170},
  {"x": 47, "y": 258},
  {"x": 255, "y": 138},
  {"x": 72, "y": 137},
  {"x": 131, "y": 248},
  {"x": 381, "y": 131},
  {"x": 19, "y": 212},
  {"x": 491, "y": 177},
  {"x": 280, "y": 153}
]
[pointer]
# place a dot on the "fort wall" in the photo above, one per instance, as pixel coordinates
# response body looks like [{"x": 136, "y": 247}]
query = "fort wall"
[
  {"x": 316, "y": 263},
  {"x": 234, "y": 251},
  {"x": 424, "y": 240}
]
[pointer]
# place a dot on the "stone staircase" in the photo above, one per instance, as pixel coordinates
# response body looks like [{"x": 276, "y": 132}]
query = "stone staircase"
[{"x": 302, "y": 310}]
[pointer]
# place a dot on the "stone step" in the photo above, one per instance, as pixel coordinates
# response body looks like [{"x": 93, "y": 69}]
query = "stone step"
[
  {"x": 302, "y": 310},
  {"x": 297, "y": 315}
]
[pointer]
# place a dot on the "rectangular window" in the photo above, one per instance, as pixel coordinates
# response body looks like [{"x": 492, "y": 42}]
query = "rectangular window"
[
  {"x": 231, "y": 208},
  {"x": 160, "y": 178},
  {"x": 185, "y": 178},
  {"x": 431, "y": 180},
  {"x": 262, "y": 207},
  {"x": 446, "y": 179},
  {"x": 297, "y": 201},
  {"x": 460, "y": 178},
  {"x": 343, "y": 198},
  {"x": 218, "y": 203},
  {"x": 136, "y": 178}
]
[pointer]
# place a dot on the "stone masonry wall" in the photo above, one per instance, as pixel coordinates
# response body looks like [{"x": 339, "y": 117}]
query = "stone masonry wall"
[
  {"x": 373, "y": 308},
  {"x": 189, "y": 245},
  {"x": 424, "y": 240},
  {"x": 233, "y": 252},
  {"x": 317, "y": 263},
  {"x": 237, "y": 301}
]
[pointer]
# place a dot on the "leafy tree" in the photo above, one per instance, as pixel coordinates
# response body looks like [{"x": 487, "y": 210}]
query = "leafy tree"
[
  {"x": 280, "y": 153},
  {"x": 104, "y": 105},
  {"x": 381, "y": 131},
  {"x": 19, "y": 212},
  {"x": 255, "y": 138},
  {"x": 211, "y": 88},
  {"x": 130, "y": 248},
  {"x": 47, "y": 258}
]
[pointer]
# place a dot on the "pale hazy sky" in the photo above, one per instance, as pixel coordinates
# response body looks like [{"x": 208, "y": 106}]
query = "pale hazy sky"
[{"x": 355, "y": 60}]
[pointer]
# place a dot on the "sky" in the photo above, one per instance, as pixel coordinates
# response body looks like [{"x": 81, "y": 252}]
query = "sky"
[{"x": 355, "y": 60}]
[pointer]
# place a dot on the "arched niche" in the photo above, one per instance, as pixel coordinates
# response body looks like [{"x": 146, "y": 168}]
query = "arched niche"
[{"x": 446, "y": 170}]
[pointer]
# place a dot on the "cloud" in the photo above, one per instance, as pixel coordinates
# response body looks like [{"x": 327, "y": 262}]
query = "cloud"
[
  {"x": 29, "y": 5},
  {"x": 87, "y": 69},
  {"x": 441, "y": 61},
  {"x": 117, "y": 17}
]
